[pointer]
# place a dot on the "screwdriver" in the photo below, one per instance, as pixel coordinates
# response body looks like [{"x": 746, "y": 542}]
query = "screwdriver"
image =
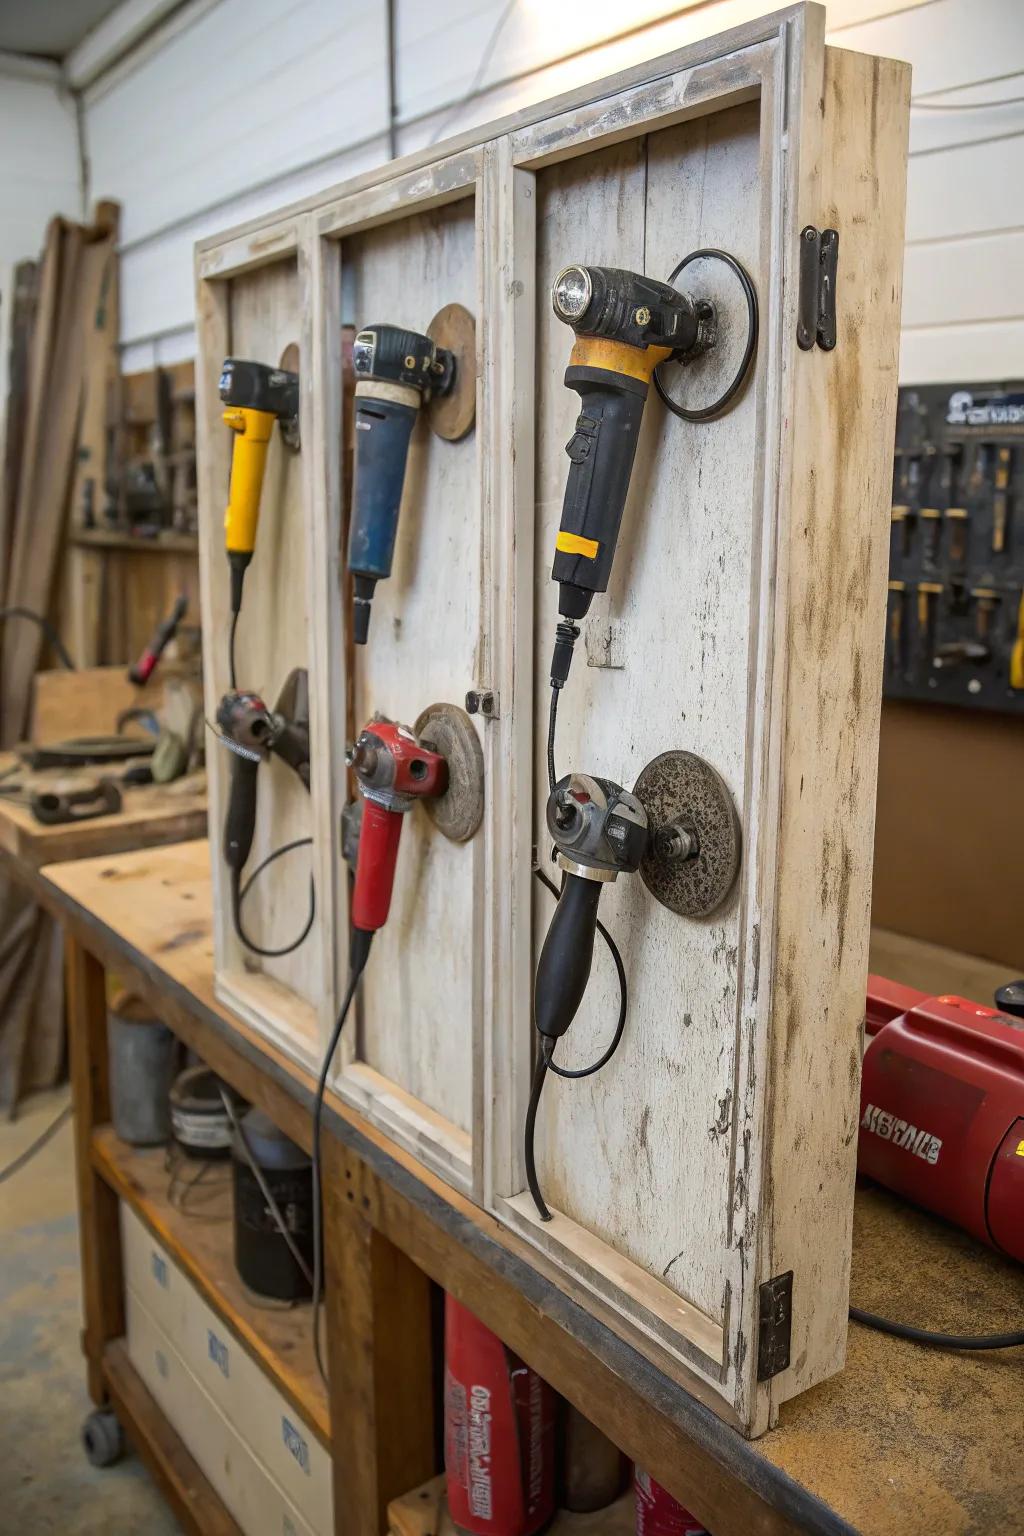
[
  {"x": 898, "y": 589},
  {"x": 1000, "y": 502}
]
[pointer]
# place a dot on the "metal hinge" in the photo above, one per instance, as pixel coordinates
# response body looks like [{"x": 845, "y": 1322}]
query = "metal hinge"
[
  {"x": 819, "y": 258},
  {"x": 774, "y": 1325}
]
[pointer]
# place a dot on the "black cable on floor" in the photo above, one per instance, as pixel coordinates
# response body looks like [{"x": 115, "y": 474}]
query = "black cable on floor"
[
  {"x": 30, "y": 1151},
  {"x": 937, "y": 1340}
]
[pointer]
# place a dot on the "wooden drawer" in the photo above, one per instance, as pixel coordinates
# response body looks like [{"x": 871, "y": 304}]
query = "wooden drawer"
[
  {"x": 251, "y": 1495},
  {"x": 254, "y": 1408}
]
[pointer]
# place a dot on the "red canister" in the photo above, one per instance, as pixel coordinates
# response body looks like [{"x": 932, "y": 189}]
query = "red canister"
[
  {"x": 499, "y": 1433},
  {"x": 658, "y": 1513}
]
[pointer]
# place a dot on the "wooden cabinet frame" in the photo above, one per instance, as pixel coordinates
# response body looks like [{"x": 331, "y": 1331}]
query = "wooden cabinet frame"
[{"x": 832, "y": 129}]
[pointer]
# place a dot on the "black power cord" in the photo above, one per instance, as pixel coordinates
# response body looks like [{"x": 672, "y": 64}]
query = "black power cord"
[
  {"x": 358, "y": 955},
  {"x": 240, "y": 891},
  {"x": 552, "y": 721},
  {"x": 18, "y": 612},
  {"x": 546, "y": 1062},
  {"x": 937, "y": 1340},
  {"x": 231, "y": 651},
  {"x": 709, "y": 412}
]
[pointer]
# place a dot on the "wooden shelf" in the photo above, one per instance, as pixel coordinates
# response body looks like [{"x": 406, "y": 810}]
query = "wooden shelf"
[
  {"x": 281, "y": 1342},
  {"x": 424, "y": 1512},
  {"x": 191, "y": 1496},
  {"x": 168, "y": 543}
]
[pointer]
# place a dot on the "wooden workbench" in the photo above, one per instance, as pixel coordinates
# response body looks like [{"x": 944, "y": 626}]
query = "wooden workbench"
[{"x": 904, "y": 1440}]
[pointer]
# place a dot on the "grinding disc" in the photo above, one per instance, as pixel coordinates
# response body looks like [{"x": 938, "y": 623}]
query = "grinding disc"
[
  {"x": 452, "y": 415},
  {"x": 680, "y": 785},
  {"x": 447, "y": 729},
  {"x": 703, "y": 380}
]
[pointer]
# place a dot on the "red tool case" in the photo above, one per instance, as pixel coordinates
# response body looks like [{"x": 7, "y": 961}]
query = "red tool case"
[{"x": 942, "y": 1109}]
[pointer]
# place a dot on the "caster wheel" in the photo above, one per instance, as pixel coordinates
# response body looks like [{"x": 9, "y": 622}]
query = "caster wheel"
[{"x": 102, "y": 1438}]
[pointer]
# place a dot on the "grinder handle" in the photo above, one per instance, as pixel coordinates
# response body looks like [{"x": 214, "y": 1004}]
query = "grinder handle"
[
  {"x": 240, "y": 820},
  {"x": 601, "y": 453},
  {"x": 375, "y": 866},
  {"x": 252, "y": 430},
  {"x": 564, "y": 967}
]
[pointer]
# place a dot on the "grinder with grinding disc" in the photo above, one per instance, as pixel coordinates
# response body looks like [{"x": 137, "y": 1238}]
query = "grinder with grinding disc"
[{"x": 678, "y": 827}]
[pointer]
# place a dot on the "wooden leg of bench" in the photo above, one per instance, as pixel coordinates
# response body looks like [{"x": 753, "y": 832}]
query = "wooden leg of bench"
[
  {"x": 99, "y": 1232},
  {"x": 379, "y": 1353}
]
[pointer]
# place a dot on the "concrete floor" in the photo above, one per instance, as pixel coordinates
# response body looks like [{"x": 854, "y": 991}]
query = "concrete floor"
[{"x": 46, "y": 1484}]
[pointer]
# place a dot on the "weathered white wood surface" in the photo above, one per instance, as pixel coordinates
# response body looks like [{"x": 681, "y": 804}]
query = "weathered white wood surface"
[
  {"x": 640, "y": 1154},
  {"x": 261, "y": 317},
  {"x": 835, "y": 486},
  {"x": 420, "y": 998}
]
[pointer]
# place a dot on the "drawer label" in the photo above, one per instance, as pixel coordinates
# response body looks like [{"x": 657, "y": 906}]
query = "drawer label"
[
  {"x": 159, "y": 1267},
  {"x": 295, "y": 1443},
  {"x": 161, "y": 1363},
  {"x": 218, "y": 1352}
]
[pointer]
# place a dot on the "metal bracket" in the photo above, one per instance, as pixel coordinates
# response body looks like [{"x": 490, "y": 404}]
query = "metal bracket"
[
  {"x": 819, "y": 260},
  {"x": 774, "y": 1325},
  {"x": 483, "y": 701}
]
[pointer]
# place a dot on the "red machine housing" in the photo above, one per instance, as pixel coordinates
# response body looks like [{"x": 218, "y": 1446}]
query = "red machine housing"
[
  {"x": 393, "y": 772},
  {"x": 499, "y": 1433},
  {"x": 942, "y": 1109}
]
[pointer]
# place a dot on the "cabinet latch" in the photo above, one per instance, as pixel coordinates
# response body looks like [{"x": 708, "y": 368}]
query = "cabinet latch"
[
  {"x": 819, "y": 258},
  {"x": 774, "y": 1325}
]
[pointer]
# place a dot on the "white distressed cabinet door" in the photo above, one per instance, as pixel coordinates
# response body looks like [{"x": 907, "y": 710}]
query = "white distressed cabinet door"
[{"x": 743, "y": 623}]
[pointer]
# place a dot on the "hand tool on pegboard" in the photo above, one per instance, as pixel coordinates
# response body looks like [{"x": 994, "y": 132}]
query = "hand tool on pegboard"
[
  {"x": 958, "y": 479},
  {"x": 398, "y": 372}
]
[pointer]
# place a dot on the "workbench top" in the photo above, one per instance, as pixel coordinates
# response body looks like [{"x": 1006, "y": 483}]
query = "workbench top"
[{"x": 905, "y": 1439}]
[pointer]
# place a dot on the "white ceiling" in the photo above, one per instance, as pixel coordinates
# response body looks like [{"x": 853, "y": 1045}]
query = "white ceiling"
[{"x": 49, "y": 29}]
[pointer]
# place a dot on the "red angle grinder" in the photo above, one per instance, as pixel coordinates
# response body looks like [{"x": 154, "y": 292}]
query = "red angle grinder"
[
  {"x": 499, "y": 1433},
  {"x": 942, "y": 1107},
  {"x": 393, "y": 771}
]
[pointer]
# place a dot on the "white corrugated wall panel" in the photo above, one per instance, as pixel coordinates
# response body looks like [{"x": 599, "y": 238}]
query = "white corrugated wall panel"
[
  {"x": 39, "y": 173},
  {"x": 963, "y": 295},
  {"x": 256, "y": 103},
  {"x": 249, "y": 92}
]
